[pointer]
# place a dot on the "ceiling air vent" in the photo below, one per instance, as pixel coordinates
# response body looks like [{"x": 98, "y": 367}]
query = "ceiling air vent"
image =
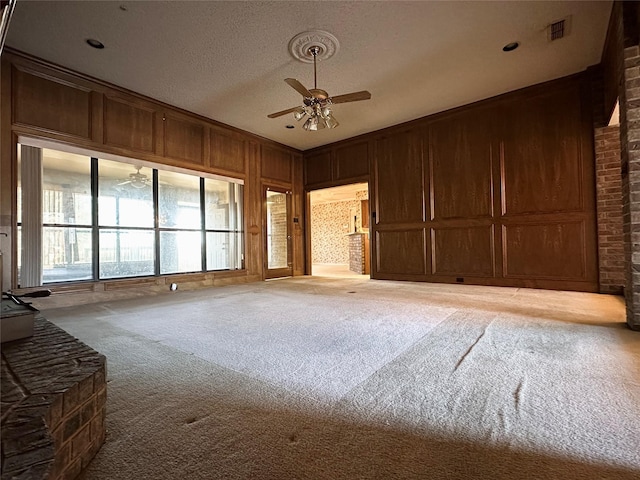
[{"x": 559, "y": 29}]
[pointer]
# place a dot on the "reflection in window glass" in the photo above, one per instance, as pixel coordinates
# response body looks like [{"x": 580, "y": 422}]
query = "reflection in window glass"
[
  {"x": 125, "y": 195},
  {"x": 224, "y": 251},
  {"x": 66, "y": 254},
  {"x": 66, "y": 188},
  {"x": 178, "y": 200},
  {"x": 65, "y": 250},
  {"x": 223, "y": 214},
  {"x": 56, "y": 235},
  {"x": 223, "y": 205},
  {"x": 218, "y": 250},
  {"x": 180, "y": 252},
  {"x": 126, "y": 253},
  {"x": 277, "y": 233}
]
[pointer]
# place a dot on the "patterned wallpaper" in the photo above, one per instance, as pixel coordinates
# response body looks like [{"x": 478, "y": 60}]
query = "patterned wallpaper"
[{"x": 330, "y": 225}]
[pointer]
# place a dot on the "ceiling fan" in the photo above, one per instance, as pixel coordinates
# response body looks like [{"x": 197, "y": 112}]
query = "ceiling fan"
[
  {"x": 137, "y": 179},
  {"x": 317, "y": 102}
]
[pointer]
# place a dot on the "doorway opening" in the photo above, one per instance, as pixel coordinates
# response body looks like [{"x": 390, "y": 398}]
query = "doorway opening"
[{"x": 339, "y": 221}]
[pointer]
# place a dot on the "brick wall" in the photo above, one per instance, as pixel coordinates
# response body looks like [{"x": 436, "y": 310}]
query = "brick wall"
[
  {"x": 278, "y": 242},
  {"x": 630, "y": 154},
  {"x": 356, "y": 253},
  {"x": 609, "y": 208}
]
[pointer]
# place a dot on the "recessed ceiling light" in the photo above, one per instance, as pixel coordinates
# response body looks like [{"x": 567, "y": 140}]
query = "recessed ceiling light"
[
  {"x": 95, "y": 43},
  {"x": 509, "y": 47},
  {"x": 289, "y": 127}
]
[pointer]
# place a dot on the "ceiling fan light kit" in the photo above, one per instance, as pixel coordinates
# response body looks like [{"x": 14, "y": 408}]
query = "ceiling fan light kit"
[{"x": 316, "y": 103}]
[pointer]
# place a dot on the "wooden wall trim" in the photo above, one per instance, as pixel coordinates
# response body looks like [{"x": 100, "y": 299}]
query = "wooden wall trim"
[
  {"x": 17, "y": 57},
  {"x": 424, "y": 121},
  {"x": 611, "y": 60},
  {"x": 111, "y": 120}
]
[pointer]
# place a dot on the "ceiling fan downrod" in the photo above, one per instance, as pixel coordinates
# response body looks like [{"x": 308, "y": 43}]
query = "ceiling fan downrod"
[{"x": 315, "y": 50}]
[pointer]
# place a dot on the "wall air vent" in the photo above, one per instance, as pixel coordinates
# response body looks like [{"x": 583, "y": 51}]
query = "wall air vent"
[{"x": 559, "y": 29}]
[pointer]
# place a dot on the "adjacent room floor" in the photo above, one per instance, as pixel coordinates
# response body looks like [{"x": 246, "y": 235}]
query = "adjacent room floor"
[
  {"x": 332, "y": 378},
  {"x": 334, "y": 270}
]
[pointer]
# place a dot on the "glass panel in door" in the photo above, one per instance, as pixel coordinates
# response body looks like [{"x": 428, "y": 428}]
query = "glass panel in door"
[{"x": 278, "y": 236}]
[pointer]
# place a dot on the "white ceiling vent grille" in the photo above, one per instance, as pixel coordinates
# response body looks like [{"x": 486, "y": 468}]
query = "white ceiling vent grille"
[{"x": 559, "y": 29}]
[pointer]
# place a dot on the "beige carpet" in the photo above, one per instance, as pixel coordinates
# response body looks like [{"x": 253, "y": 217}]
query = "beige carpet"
[{"x": 328, "y": 378}]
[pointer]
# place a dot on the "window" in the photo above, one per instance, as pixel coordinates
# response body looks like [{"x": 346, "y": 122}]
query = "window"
[
  {"x": 55, "y": 217},
  {"x": 223, "y": 214},
  {"x": 125, "y": 220},
  {"x": 180, "y": 222},
  {"x": 85, "y": 218}
]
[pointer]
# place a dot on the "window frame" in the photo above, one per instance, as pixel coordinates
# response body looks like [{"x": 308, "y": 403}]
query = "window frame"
[{"x": 235, "y": 232}]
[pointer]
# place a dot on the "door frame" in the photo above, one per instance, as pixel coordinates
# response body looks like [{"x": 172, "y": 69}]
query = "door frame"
[{"x": 277, "y": 272}]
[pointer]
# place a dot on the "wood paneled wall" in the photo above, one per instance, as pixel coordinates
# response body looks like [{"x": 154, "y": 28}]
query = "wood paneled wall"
[
  {"x": 338, "y": 164},
  {"x": 501, "y": 192},
  {"x": 45, "y": 101},
  {"x": 612, "y": 60},
  {"x": 284, "y": 168}
]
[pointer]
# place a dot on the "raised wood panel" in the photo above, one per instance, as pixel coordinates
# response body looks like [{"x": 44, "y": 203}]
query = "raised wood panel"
[
  {"x": 318, "y": 168},
  {"x": 276, "y": 164},
  {"x": 550, "y": 251},
  {"x": 399, "y": 179},
  {"x": 462, "y": 251},
  {"x": 401, "y": 252},
  {"x": 351, "y": 161},
  {"x": 364, "y": 213},
  {"x": 299, "y": 221},
  {"x": 227, "y": 152},
  {"x": 184, "y": 140},
  {"x": 52, "y": 104},
  {"x": 127, "y": 125},
  {"x": 541, "y": 158},
  {"x": 461, "y": 166}
]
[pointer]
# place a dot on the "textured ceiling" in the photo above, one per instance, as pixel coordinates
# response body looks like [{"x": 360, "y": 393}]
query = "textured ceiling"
[{"x": 227, "y": 60}]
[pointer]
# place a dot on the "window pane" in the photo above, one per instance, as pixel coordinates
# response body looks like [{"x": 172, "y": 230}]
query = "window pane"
[
  {"x": 126, "y": 253},
  {"x": 125, "y": 195},
  {"x": 224, "y": 251},
  {"x": 223, "y": 205},
  {"x": 66, "y": 188},
  {"x": 277, "y": 232},
  {"x": 66, "y": 254},
  {"x": 19, "y": 189},
  {"x": 180, "y": 252},
  {"x": 178, "y": 200},
  {"x": 218, "y": 251},
  {"x": 19, "y": 240}
]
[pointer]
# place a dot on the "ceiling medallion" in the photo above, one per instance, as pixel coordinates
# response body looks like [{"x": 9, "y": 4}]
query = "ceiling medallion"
[{"x": 300, "y": 46}]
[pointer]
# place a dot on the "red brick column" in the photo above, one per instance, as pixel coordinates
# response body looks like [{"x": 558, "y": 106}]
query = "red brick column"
[
  {"x": 609, "y": 207},
  {"x": 630, "y": 151}
]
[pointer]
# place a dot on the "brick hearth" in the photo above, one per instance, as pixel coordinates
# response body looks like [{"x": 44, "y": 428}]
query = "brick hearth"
[{"x": 53, "y": 405}]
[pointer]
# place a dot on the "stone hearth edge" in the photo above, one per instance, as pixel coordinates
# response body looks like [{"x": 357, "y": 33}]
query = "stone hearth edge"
[{"x": 53, "y": 404}]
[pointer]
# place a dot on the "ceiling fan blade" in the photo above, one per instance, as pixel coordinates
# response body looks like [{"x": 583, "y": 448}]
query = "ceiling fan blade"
[
  {"x": 124, "y": 183},
  {"x": 351, "y": 97},
  {"x": 298, "y": 87},
  {"x": 284, "y": 112}
]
